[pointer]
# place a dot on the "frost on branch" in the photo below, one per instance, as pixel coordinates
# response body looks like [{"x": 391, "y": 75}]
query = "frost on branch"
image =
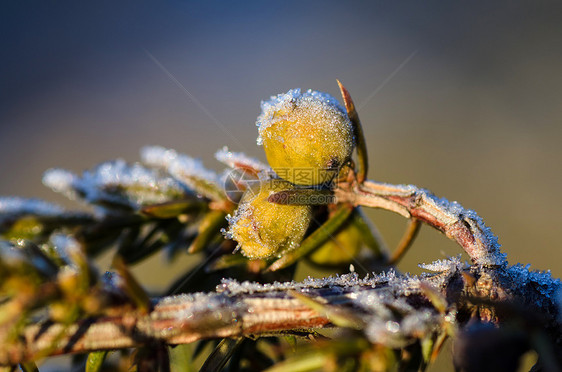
[
  {"x": 239, "y": 160},
  {"x": 116, "y": 184},
  {"x": 464, "y": 226},
  {"x": 34, "y": 219},
  {"x": 186, "y": 170},
  {"x": 14, "y": 206}
]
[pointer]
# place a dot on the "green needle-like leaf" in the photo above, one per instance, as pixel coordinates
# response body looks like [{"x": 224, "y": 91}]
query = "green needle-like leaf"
[
  {"x": 181, "y": 358},
  {"x": 29, "y": 367},
  {"x": 227, "y": 261},
  {"x": 173, "y": 208},
  {"x": 220, "y": 356},
  {"x": 339, "y": 316},
  {"x": 315, "y": 240},
  {"x": 371, "y": 236},
  {"x": 95, "y": 361},
  {"x": 209, "y": 228},
  {"x": 133, "y": 288}
]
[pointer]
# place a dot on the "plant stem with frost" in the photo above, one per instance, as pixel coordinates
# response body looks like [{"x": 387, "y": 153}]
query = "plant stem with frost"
[{"x": 248, "y": 309}]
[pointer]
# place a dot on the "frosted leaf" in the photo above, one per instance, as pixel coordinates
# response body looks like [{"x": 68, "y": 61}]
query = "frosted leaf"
[
  {"x": 24, "y": 258},
  {"x": 32, "y": 219},
  {"x": 239, "y": 160},
  {"x": 11, "y": 207},
  {"x": 61, "y": 181},
  {"x": 452, "y": 264},
  {"x": 67, "y": 248},
  {"x": 10, "y": 255},
  {"x": 185, "y": 169},
  {"x": 116, "y": 183}
]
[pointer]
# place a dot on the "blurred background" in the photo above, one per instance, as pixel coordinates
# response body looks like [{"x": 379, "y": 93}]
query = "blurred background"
[{"x": 464, "y": 100}]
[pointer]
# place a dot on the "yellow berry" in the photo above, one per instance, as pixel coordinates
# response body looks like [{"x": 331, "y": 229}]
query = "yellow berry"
[
  {"x": 263, "y": 229},
  {"x": 307, "y": 136}
]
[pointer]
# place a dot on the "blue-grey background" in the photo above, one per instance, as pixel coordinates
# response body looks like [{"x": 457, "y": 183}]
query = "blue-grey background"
[{"x": 463, "y": 99}]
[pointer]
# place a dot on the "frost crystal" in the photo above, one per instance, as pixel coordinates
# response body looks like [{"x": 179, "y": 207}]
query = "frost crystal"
[
  {"x": 117, "y": 183},
  {"x": 239, "y": 160},
  {"x": 195, "y": 311},
  {"x": 67, "y": 248},
  {"x": 390, "y": 318},
  {"x": 61, "y": 181},
  {"x": 490, "y": 256},
  {"x": 278, "y": 106},
  {"x": 14, "y": 206},
  {"x": 544, "y": 287},
  {"x": 452, "y": 264},
  {"x": 185, "y": 169},
  {"x": 486, "y": 249},
  {"x": 263, "y": 229}
]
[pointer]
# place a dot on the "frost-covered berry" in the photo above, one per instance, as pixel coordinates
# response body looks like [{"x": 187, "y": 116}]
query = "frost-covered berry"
[
  {"x": 263, "y": 229},
  {"x": 307, "y": 136}
]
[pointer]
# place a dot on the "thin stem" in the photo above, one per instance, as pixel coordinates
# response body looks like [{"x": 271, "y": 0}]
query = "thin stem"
[
  {"x": 371, "y": 235},
  {"x": 460, "y": 224},
  {"x": 251, "y": 309},
  {"x": 406, "y": 241},
  {"x": 237, "y": 310}
]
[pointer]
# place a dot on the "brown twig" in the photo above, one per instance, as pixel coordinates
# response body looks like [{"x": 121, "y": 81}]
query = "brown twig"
[
  {"x": 236, "y": 310},
  {"x": 252, "y": 309},
  {"x": 460, "y": 224}
]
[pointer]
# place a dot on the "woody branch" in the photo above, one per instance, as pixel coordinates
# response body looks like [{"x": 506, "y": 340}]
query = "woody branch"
[{"x": 267, "y": 309}]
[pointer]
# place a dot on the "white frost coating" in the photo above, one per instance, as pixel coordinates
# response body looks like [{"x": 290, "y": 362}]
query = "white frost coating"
[
  {"x": 492, "y": 256},
  {"x": 176, "y": 164},
  {"x": 194, "y": 311},
  {"x": 541, "y": 281},
  {"x": 67, "y": 247},
  {"x": 348, "y": 281},
  {"x": 396, "y": 332},
  {"x": 11, "y": 255},
  {"x": 390, "y": 319},
  {"x": 115, "y": 182},
  {"x": 450, "y": 265},
  {"x": 61, "y": 181},
  {"x": 487, "y": 251},
  {"x": 285, "y": 102},
  {"x": 21, "y": 206},
  {"x": 184, "y": 168},
  {"x": 237, "y": 159},
  {"x": 158, "y": 156}
]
